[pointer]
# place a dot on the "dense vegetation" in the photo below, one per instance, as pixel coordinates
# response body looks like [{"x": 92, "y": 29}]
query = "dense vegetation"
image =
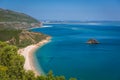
[
  {"x": 20, "y": 38},
  {"x": 11, "y": 66},
  {"x": 6, "y": 34},
  {"x": 11, "y": 16}
]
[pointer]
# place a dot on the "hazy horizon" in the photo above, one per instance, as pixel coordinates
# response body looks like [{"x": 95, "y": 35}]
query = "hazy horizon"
[{"x": 75, "y": 10}]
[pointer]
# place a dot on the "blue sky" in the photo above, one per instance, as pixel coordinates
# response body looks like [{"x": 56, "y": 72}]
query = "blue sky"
[{"x": 84, "y": 10}]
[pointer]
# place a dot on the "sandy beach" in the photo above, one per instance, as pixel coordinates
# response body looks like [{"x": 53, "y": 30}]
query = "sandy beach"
[{"x": 28, "y": 52}]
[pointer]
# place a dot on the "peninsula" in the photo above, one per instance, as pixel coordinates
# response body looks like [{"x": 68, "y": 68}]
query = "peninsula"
[
  {"x": 14, "y": 30},
  {"x": 17, "y": 46}
]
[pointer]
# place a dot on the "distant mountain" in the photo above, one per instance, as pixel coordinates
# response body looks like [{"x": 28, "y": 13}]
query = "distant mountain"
[
  {"x": 13, "y": 27},
  {"x": 12, "y": 19}
]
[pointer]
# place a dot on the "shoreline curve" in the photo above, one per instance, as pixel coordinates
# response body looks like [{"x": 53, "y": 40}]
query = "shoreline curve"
[{"x": 28, "y": 52}]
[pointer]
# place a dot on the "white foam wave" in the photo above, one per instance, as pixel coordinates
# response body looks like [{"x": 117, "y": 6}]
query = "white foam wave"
[
  {"x": 94, "y": 23},
  {"x": 46, "y": 26}
]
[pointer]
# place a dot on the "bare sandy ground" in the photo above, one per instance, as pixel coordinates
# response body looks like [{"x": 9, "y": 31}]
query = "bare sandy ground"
[{"x": 28, "y": 52}]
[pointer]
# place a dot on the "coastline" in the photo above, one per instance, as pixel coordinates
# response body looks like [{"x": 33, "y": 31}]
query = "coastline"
[{"x": 28, "y": 52}]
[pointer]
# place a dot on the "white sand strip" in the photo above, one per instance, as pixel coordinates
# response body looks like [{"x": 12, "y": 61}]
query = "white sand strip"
[{"x": 28, "y": 51}]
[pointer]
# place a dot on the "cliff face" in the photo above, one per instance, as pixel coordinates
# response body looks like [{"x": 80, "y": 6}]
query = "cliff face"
[
  {"x": 12, "y": 19},
  {"x": 21, "y": 38},
  {"x": 28, "y": 38}
]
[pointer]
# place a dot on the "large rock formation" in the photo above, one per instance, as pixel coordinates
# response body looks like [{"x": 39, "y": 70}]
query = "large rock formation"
[{"x": 92, "y": 41}]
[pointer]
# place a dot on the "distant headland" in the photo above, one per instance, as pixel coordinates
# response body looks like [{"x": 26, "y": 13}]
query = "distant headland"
[{"x": 17, "y": 20}]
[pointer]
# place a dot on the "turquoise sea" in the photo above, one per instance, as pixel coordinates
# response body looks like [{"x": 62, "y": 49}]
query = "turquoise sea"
[{"x": 68, "y": 54}]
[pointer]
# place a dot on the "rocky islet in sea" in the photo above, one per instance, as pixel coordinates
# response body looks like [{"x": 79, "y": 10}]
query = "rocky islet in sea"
[{"x": 92, "y": 41}]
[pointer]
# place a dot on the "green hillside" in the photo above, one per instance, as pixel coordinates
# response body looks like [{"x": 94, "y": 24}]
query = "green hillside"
[
  {"x": 17, "y": 20},
  {"x": 12, "y": 16},
  {"x": 21, "y": 38}
]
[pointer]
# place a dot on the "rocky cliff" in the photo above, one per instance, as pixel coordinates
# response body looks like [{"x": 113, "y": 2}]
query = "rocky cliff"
[{"x": 21, "y": 38}]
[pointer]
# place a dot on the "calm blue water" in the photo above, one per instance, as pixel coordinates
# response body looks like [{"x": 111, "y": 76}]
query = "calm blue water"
[{"x": 68, "y": 54}]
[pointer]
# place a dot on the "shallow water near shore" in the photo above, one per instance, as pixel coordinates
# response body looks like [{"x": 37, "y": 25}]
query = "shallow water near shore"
[{"x": 68, "y": 54}]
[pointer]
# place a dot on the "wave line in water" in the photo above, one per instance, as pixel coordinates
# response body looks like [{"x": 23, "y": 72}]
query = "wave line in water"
[{"x": 46, "y": 26}]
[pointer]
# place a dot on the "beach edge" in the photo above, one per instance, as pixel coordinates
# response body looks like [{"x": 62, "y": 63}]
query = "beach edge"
[{"x": 28, "y": 53}]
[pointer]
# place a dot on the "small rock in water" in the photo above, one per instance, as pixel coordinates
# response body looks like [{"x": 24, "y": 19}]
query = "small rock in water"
[{"x": 92, "y": 41}]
